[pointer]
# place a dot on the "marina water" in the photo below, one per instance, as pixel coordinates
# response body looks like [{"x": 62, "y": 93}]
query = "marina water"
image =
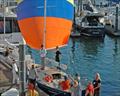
[{"x": 87, "y": 56}]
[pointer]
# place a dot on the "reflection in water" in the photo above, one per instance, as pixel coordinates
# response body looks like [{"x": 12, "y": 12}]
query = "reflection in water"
[
  {"x": 116, "y": 50},
  {"x": 90, "y": 45},
  {"x": 72, "y": 51},
  {"x": 72, "y": 56},
  {"x": 116, "y": 47}
]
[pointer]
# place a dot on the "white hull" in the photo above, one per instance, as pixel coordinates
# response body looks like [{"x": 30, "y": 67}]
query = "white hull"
[{"x": 11, "y": 37}]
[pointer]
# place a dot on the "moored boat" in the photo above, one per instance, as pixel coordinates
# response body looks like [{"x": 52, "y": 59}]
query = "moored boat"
[{"x": 92, "y": 25}]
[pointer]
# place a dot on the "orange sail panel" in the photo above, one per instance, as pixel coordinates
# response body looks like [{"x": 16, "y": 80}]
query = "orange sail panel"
[{"x": 58, "y": 22}]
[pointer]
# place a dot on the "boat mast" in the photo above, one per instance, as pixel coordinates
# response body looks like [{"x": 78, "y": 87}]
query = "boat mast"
[
  {"x": 81, "y": 5},
  {"x": 4, "y": 18},
  {"x": 44, "y": 33}
]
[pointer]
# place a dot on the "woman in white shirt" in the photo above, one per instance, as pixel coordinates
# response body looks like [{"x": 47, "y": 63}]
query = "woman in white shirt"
[{"x": 43, "y": 53}]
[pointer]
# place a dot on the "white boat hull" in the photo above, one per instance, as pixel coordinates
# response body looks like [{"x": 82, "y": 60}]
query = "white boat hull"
[{"x": 11, "y": 37}]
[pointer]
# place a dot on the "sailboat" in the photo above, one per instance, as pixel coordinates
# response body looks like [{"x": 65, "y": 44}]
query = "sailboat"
[{"x": 48, "y": 23}]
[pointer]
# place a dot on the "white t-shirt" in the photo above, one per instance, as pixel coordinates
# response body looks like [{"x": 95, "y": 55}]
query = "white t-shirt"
[
  {"x": 32, "y": 74},
  {"x": 43, "y": 53}
]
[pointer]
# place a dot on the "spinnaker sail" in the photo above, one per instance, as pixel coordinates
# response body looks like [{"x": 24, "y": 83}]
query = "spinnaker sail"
[{"x": 59, "y": 17}]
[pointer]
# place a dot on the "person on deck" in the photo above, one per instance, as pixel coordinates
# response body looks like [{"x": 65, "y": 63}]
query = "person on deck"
[
  {"x": 97, "y": 84},
  {"x": 43, "y": 53},
  {"x": 32, "y": 75},
  {"x": 65, "y": 85},
  {"x": 89, "y": 90},
  {"x": 77, "y": 86},
  {"x": 57, "y": 56}
]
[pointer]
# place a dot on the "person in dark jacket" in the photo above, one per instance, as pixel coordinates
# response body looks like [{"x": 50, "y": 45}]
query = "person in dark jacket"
[
  {"x": 97, "y": 84},
  {"x": 57, "y": 56}
]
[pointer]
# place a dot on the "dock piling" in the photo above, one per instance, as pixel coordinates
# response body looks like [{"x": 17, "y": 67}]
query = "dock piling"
[{"x": 21, "y": 70}]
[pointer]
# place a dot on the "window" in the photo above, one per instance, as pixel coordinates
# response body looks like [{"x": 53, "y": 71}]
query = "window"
[
  {"x": 11, "y": 25},
  {"x": 1, "y": 27},
  {"x": 7, "y": 30},
  {"x": 15, "y": 27},
  {"x": 7, "y": 26},
  {"x": 56, "y": 76}
]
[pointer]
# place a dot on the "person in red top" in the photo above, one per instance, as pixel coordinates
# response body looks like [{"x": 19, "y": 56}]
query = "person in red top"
[
  {"x": 31, "y": 89},
  {"x": 89, "y": 90},
  {"x": 65, "y": 85}
]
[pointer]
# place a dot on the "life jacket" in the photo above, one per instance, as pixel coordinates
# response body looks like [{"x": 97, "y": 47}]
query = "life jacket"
[
  {"x": 65, "y": 85},
  {"x": 30, "y": 86},
  {"x": 90, "y": 89},
  {"x": 48, "y": 78},
  {"x": 31, "y": 90}
]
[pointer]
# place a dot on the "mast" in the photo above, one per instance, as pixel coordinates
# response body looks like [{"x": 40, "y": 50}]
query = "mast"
[
  {"x": 44, "y": 33},
  {"x": 79, "y": 9},
  {"x": 81, "y": 5},
  {"x": 4, "y": 18},
  {"x": 22, "y": 68}
]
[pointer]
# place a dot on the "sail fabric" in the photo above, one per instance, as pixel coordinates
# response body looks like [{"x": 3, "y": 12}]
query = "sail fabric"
[
  {"x": 19, "y": 1},
  {"x": 59, "y": 17}
]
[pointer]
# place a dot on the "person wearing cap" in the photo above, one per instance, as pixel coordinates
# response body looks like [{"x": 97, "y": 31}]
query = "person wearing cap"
[
  {"x": 97, "y": 84},
  {"x": 32, "y": 75}
]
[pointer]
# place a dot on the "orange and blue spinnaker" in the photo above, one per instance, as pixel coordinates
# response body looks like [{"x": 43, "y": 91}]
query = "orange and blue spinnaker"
[{"x": 59, "y": 17}]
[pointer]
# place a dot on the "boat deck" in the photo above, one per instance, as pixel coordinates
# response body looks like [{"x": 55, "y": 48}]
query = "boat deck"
[{"x": 112, "y": 32}]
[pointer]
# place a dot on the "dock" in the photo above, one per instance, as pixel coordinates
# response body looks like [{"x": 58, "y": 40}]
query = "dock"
[
  {"x": 111, "y": 32},
  {"x": 115, "y": 34}
]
